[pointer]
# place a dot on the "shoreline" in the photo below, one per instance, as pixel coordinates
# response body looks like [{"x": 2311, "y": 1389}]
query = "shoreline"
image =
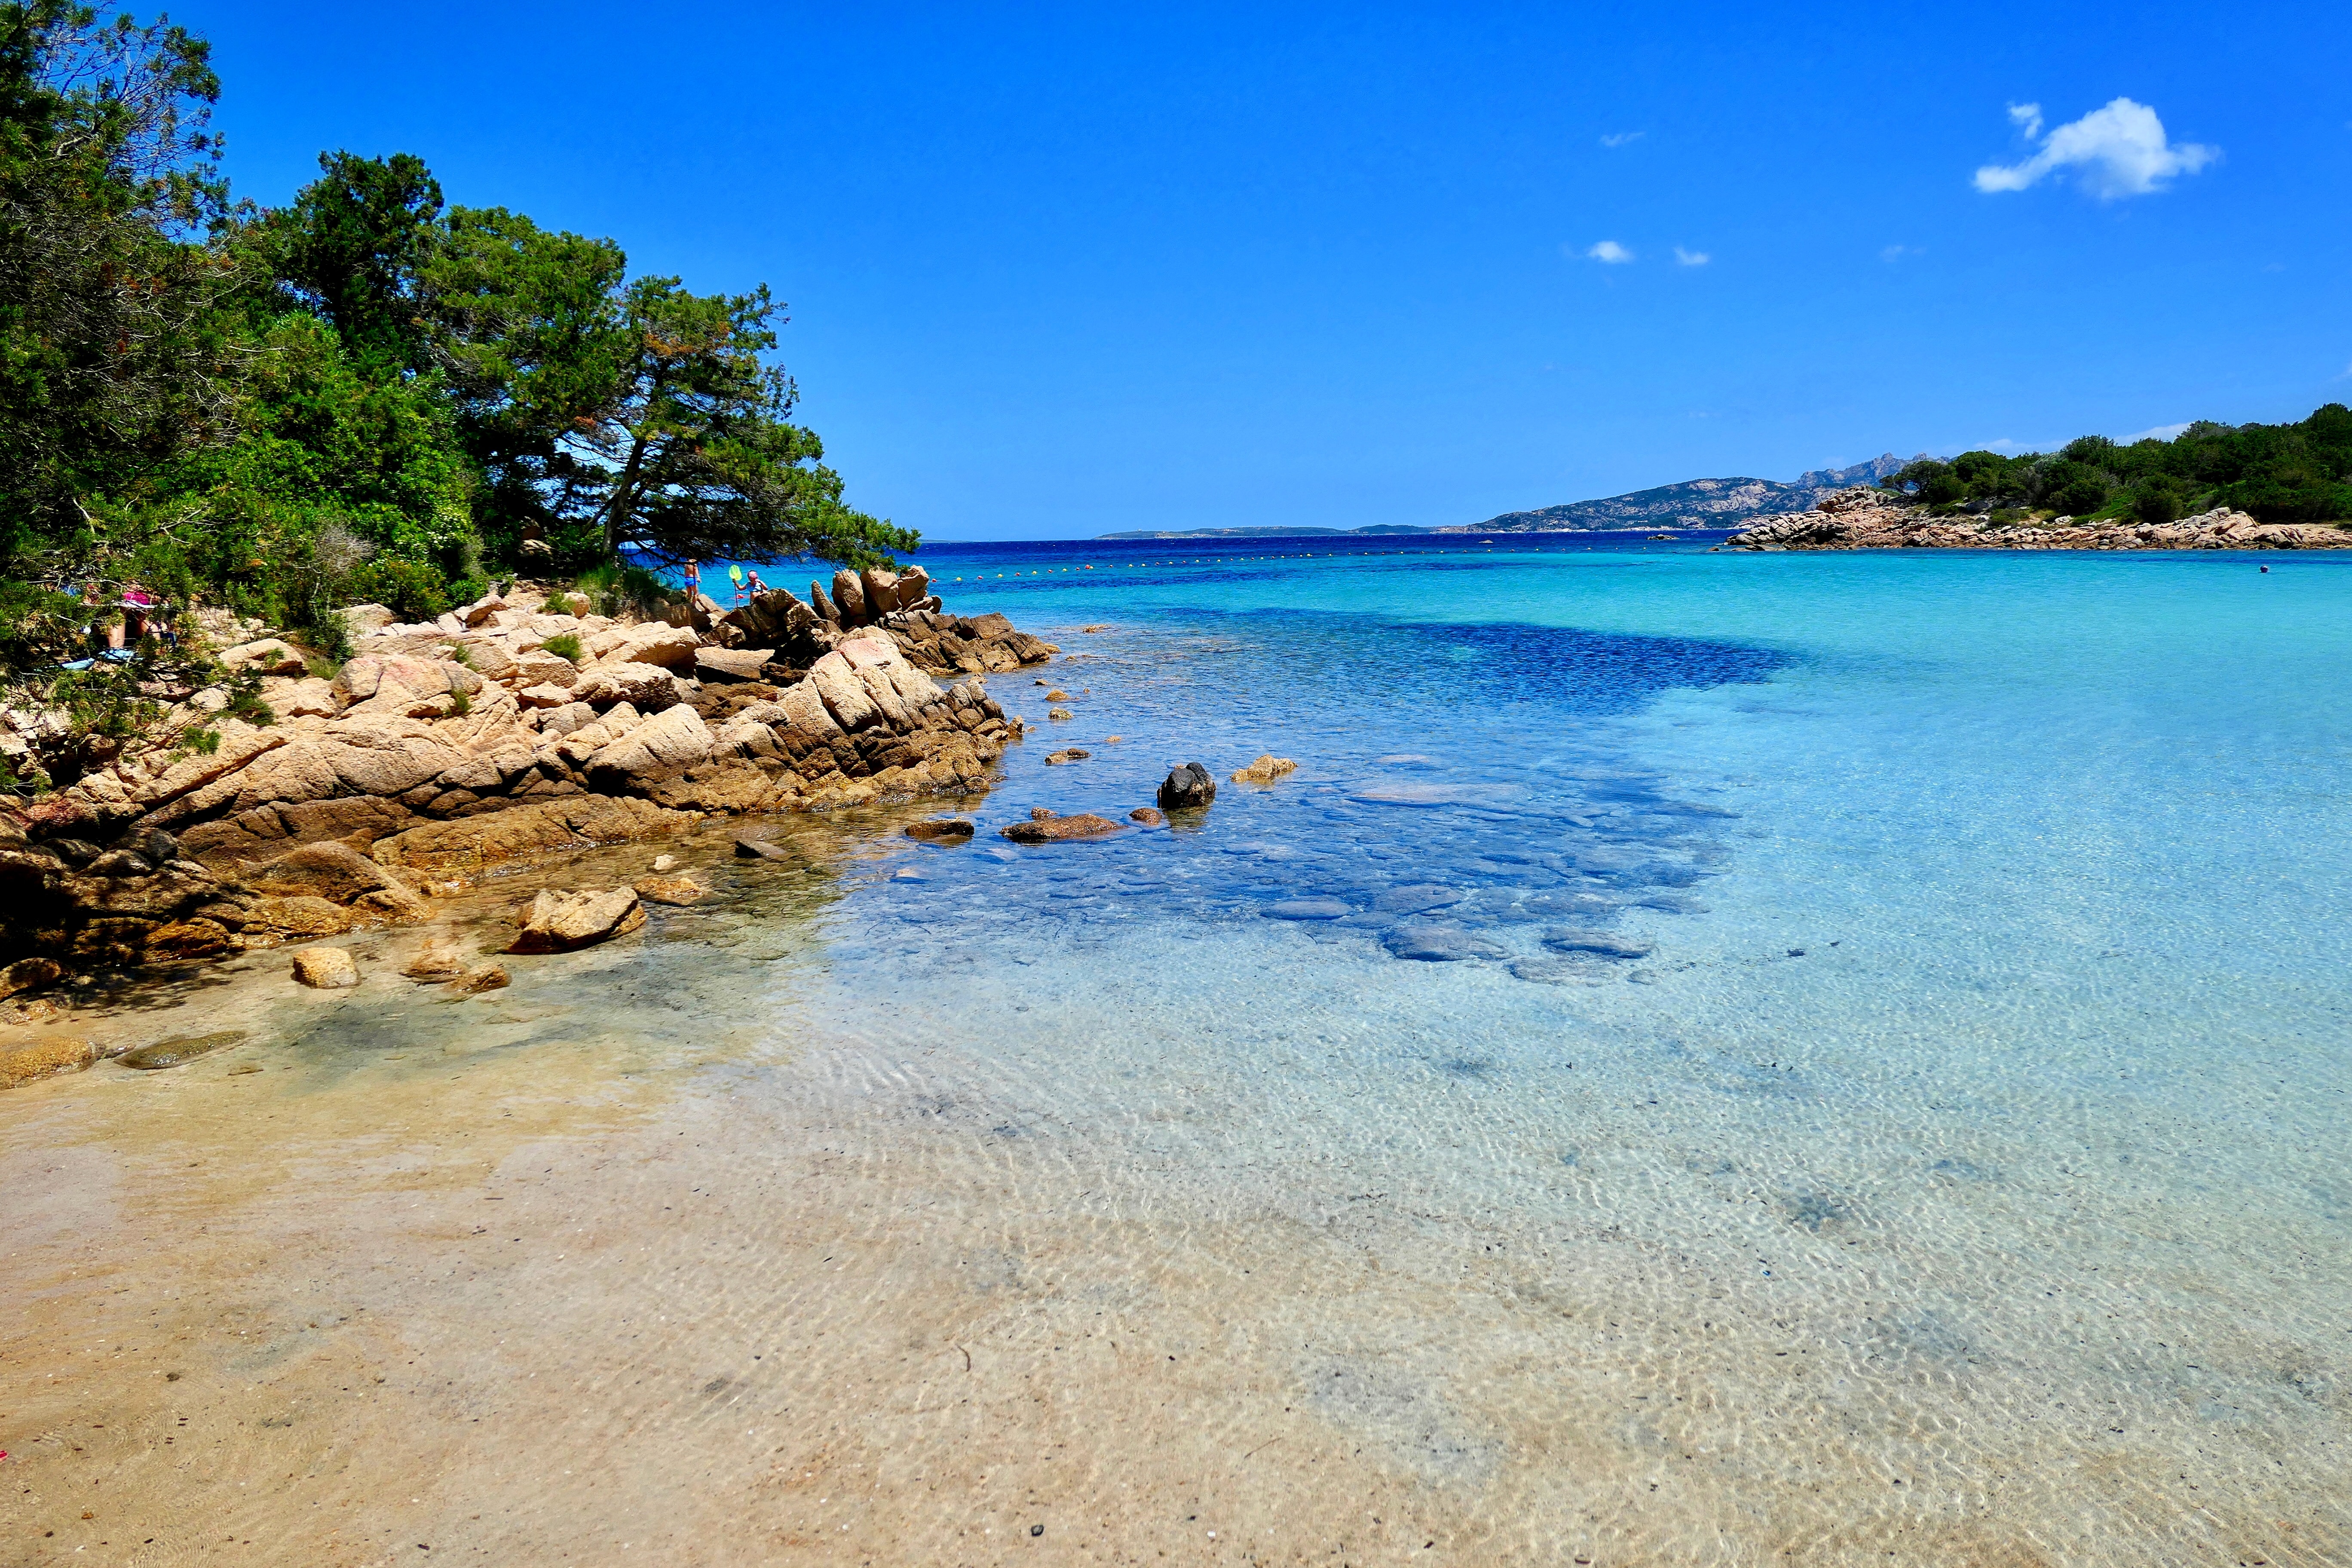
[
  {"x": 1863, "y": 519},
  {"x": 440, "y": 752}
]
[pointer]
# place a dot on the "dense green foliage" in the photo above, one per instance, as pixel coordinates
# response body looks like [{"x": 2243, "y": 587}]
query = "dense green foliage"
[
  {"x": 2280, "y": 473},
  {"x": 364, "y": 394}
]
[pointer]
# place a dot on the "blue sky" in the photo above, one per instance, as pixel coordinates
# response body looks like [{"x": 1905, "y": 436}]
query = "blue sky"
[{"x": 1057, "y": 271}]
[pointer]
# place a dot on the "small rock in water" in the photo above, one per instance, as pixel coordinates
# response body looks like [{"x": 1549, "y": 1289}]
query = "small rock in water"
[
  {"x": 1112, "y": 740},
  {"x": 1146, "y": 816},
  {"x": 558, "y": 922},
  {"x": 1051, "y": 829},
  {"x": 1068, "y": 754},
  {"x": 940, "y": 827},
  {"x": 676, "y": 890},
  {"x": 1265, "y": 770},
  {"x": 1598, "y": 943},
  {"x": 490, "y": 977},
  {"x": 22, "y": 1064},
  {"x": 1307, "y": 910},
  {"x": 326, "y": 968},
  {"x": 1059, "y": 713},
  {"x": 1057, "y": 695},
  {"x": 1413, "y": 900},
  {"x": 1043, "y": 682},
  {"x": 1187, "y": 787},
  {"x": 663, "y": 863},
  {"x": 1041, "y": 812},
  {"x": 440, "y": 961},
  {"x": 183, "y": 1048},
  {"x": 760, "y": 850}
]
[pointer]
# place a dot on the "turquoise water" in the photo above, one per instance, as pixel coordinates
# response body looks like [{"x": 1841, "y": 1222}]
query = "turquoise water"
[{"x": 1934, "y": 965}]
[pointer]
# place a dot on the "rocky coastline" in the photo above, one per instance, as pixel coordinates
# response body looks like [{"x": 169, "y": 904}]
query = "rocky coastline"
[
  {"x": 519, "y": 725},
  {"x": 1864, "y": 518}
]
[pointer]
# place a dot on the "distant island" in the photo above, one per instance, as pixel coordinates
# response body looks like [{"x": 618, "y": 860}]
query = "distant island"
[{"x": 1695, "y": 504}]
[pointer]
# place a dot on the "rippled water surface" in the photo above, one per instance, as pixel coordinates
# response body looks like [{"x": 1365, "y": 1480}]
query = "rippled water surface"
[{"x": 1709, "y": 1059}]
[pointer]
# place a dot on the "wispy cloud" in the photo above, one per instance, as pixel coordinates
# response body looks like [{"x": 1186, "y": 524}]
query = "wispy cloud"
[
  {"x": 1692, "y": 257},
  {"x": 1622, "y": 137},
  {"x": 1610, "y": 251},
  {"x": 2154, "y": 432},
  {"x": 2118, "y": 151},
  {"x": 1897, "y": 252}
]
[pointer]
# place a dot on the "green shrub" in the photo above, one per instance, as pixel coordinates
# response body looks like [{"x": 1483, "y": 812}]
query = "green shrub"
[
  {"x": 2158, "y": 500},
  {"x": 409, "y": 589},
  {"x": 565, "y": 646},
  {"x": 614, "y": 589}
]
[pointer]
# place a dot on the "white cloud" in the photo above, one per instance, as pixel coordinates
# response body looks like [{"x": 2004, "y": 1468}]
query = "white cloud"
[
  {"x": 1610, "y": 251},
  {"x": 1692, "y": 257},
  {"x": 1897, "y": 252},
  {"x": 2154, "y": 432},
  {"x": 1622, "y": 137},
  {"x": 2120, "y": 151}
]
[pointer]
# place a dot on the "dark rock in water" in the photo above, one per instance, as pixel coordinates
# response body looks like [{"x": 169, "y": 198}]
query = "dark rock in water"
[
  {"x": 183, "y": 1048},
  {"x": 1187, "y": 788},
  {"x": 1438, "y": 944},
  {"x": 760, "y": 850},
  {"x": 1307, "y": 910},
  {"x": 1598, "y": 943},
  {"x": 1043, "y": 814},
  {"x": 940, "y": 827},
  {"x": 1413, "y": 900},
  {"x": 1053, "y": 830},
  {"x": 1146, "y": 816},
  {"x": 1068, "y": 754}
]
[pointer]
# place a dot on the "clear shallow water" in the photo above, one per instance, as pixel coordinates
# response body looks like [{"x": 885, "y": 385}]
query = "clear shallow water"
[{"x": 1711, "y": 1058}]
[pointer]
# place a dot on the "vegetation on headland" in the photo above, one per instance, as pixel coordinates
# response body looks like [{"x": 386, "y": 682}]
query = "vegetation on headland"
[
  {"x": 2279, "y": 473},
  {"x": 364, "y": 394}
]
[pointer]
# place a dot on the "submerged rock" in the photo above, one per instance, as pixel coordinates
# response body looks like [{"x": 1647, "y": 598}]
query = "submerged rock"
[
  {"x": 1438, "y": 944},
  {"x": 44, "y": 1059},
  {"x": 559, "y": 922},
  {"x": 760, "y": 850},
  {"x": 490, "y": 977},
  {"x": 440, "y": 961},
  {"x": 1307, "y": 910},
  {"x": 326, "y": 968},
  {"x": 1054, "y": 829},
  {"x": 678, "y": 890},
  {"x": 1265, "y": 770},
  {"x": 1413, "y": 900},
  {"x": 1598, "y": 943},
  {"x": 940, "y": 827},
  {"x": 1187, "y": 788},
  {"x": 1147, "y": 816},
  {"x": 183, "y": 1048},
  {"x": 1068, "y": 754}
]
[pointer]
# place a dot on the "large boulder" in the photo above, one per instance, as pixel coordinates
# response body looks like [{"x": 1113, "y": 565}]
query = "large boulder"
[
  {"x": 676, "y": 737},
  {"x": 333, "y": 871},
  {"x": 881, "y": 591},
  {"x": 645, "y": 687},
  {"x": 1188, "y": 787},
  {"x": 559, "y": 922},
  {"x": 267, "y": 657},
  {"x": 728, "y": 664},
  {"x": 849, "y": 598},
  {"x": 570, "y": 822}
]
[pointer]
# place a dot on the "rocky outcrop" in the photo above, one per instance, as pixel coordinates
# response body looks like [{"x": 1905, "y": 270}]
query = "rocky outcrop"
[
  {"x": 1864, "y": 518},
  {"x": 440, "y": 749}
]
